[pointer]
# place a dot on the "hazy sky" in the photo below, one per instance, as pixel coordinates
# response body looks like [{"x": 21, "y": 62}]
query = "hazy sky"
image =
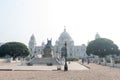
[{"x": 19, "y": 19}]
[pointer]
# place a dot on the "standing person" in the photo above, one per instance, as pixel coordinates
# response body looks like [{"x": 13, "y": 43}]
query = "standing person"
[
  {"x": 88, "y": 61},
  {"x": 82, "y": 60}
]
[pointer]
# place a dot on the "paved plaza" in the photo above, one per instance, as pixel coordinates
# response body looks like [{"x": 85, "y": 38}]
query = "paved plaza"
[
  {"x": 96, "y": 72},
  {"x": 71, "y": 66}
]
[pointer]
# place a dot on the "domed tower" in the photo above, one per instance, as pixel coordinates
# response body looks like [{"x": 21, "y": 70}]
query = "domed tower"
[
  {"x": 32, "y": 44},
  {"x": 65, "y": 37}
]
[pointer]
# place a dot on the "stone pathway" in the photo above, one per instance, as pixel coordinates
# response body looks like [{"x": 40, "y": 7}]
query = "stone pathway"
[{"x": 76, "y": 66}]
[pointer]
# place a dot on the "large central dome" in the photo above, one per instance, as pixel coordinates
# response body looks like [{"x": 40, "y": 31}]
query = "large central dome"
[{"x": 65, "y": 36}]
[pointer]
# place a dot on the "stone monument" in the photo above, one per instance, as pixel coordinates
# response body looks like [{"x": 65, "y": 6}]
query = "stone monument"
[
  {"x": 47, "y": 57},
  {"x": 48, "y": 50}
]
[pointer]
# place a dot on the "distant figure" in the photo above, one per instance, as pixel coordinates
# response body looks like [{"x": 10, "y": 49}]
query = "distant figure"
[
  {"x": 82, "y": 60},
  {"x": 69, "y": 62},
  {"x": 88, "y": 61}
]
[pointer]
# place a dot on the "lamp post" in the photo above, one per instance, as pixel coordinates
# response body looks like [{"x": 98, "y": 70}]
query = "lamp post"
[{"x": 65, "y": 66}]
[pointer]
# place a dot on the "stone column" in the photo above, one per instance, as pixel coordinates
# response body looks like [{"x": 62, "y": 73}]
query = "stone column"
[
  {"x": 112, "y": 62},
  {"x": 104, "y": 61},
  {"x": 11, "y": 59}
]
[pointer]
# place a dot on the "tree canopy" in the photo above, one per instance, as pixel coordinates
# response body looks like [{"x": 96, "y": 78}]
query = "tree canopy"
[
  {"x": 102, "y": 47},
  {"x": 14, "y": 49}
]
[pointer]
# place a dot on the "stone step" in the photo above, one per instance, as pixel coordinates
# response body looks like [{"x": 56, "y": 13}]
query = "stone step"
[{"x": 53, "y": 61}]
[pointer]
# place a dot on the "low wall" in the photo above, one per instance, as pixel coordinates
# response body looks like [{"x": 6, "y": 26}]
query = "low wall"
[
  {"x": 7, "y": 60},
  {"x": 111, "y": 65},
  {"x": 117, "y": 65},
  {"x": 3, "y": 60}
]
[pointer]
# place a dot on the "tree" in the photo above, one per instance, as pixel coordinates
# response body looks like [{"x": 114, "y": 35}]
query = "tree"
[
  {"x": 14, "y": 49},
  {"x": 102, "y": 47}
]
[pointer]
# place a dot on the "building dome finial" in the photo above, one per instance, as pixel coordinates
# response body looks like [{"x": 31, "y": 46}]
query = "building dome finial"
[
  {"x": 97, "y": 35},
  {"x": 64, "y": 28}
]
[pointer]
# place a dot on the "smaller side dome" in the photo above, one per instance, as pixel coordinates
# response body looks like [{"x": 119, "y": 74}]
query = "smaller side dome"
[
  {"x": 32, "y": 40},
  {"x": 32, "y": 37}
]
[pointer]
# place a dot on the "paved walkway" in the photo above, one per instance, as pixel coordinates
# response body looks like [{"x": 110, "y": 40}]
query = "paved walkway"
[
  {"x": 76, "y": 66},
  {"x": 71, "y": 66}
]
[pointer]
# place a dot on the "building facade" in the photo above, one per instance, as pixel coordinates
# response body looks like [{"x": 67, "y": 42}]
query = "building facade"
[{"x": 73, "y": 51}]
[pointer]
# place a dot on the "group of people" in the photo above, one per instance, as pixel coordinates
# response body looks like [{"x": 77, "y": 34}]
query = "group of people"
[{"x": 85, "y": 60}]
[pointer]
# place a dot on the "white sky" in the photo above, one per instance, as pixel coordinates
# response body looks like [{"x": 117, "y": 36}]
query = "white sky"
[{"x": 19, "y": 19}]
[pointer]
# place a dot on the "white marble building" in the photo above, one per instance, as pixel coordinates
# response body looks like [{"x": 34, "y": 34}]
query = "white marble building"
[{"x": 73, "y": 51}]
